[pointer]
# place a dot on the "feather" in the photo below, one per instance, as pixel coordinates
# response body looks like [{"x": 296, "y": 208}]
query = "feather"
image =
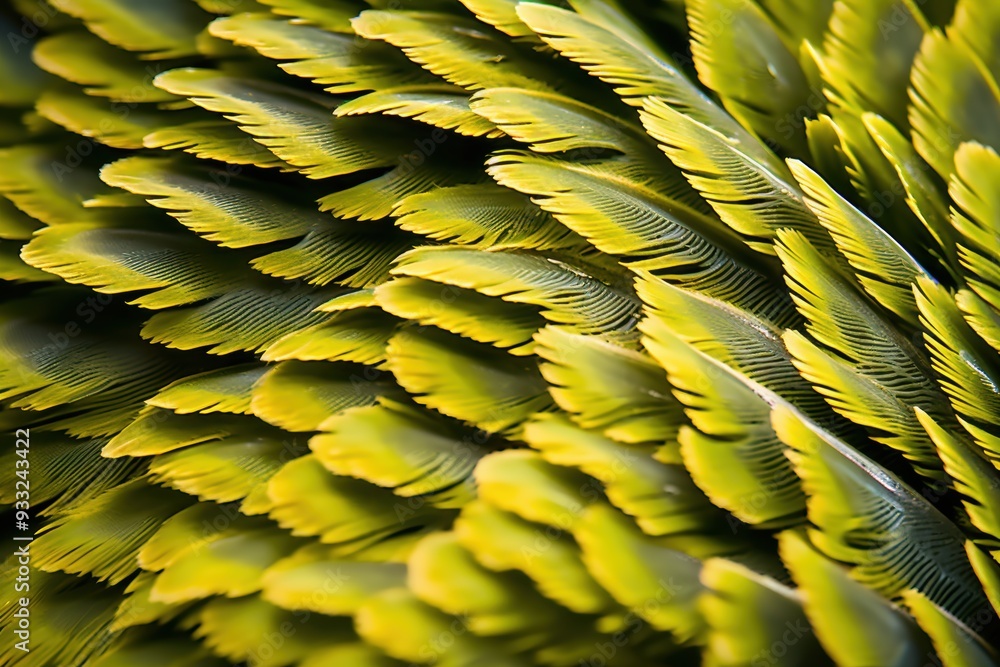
[
  {"x": 434, "y": 367},
  {"x": 832, "y": 599},
  {"x": 300, "y": 396},
  {"x": 157, "y": 31},
  {"x": 608, "y": 388},
  {"x": 396, "y": 446},
  {"x": 635, "y": 71},
  {"x": 894, "y": 539},
  {"x": 551, "y": 559},
  {"x": 941, "y": 120},
  {"x": 739, "y": 54}
]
